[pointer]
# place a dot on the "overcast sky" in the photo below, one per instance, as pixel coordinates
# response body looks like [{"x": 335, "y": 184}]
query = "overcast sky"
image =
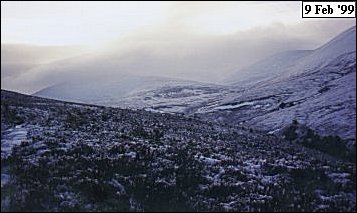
[
  {"x": 94, "y": 23},
  {"x": 198, "y": 40}
]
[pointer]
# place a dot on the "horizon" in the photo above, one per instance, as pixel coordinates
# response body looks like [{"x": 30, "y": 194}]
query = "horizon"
[{"x": 199, "y": 41}]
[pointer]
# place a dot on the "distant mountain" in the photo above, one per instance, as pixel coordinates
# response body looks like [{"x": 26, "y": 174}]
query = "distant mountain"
[
  {"x": 128, "y": 91},
  {"x": 267, "y": 68},
  {"x": 292, "y": 62},
  {"x": 317, "y": 89},
  {"x": 323, "y": 99},
  {"x": 341, "y": 44}
]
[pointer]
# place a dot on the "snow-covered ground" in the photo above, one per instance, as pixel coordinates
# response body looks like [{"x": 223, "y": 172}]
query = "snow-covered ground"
[
  {"x": 93, "y": 158},
  {"x": 11, "y": 138},
  {"x": 323, "y": 99}
]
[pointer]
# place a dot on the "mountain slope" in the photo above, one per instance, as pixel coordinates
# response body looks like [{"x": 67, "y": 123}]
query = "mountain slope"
[
  {"x": 267, "y": 68},
  {"x": 76, "y": 157},
  {"x": 113, "y": 92},
  {"x": 292, "y": 62},
  {"x": 319, "y": 90},
  {"x": 325, "y": 100}
]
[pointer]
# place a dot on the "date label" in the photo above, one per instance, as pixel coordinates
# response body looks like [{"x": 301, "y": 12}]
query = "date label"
[{"x": 328, "y": 9}]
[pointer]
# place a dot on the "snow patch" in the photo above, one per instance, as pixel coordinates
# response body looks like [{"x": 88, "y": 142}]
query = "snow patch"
[{"x": 234, "y": 106}]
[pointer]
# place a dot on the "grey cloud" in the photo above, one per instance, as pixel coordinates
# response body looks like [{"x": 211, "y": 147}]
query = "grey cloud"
[{"x": 173, "y": 52}]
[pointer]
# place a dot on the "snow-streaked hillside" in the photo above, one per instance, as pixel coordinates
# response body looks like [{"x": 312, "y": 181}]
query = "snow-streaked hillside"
[
  {"x": 171, "y": 98},
  {"x": 341, "y": 44},
  {"x": 76, "y": 157},
  {"x": 319, "y": 90},
  {"x": 123, "y": 91},
  {"x": 324, "y": 99},
  {"x": 267, "y": 68},
  {"x": 293, "y": 62},
  {"x": 315, "y": 87}
]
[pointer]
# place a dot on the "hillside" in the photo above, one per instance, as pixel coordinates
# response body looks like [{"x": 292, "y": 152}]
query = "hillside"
[
  {"x": 323, "y": 99},
  {"x": 130, "y": 91},
  {"x": 289, "y": 63},
  {"x": 318, "y": 90},
  {"x": 73, "y": 157},
  {"x": 268, "y": 68}
]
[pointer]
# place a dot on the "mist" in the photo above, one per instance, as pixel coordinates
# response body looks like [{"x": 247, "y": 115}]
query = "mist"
[{"x": 171, "y": 48}]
